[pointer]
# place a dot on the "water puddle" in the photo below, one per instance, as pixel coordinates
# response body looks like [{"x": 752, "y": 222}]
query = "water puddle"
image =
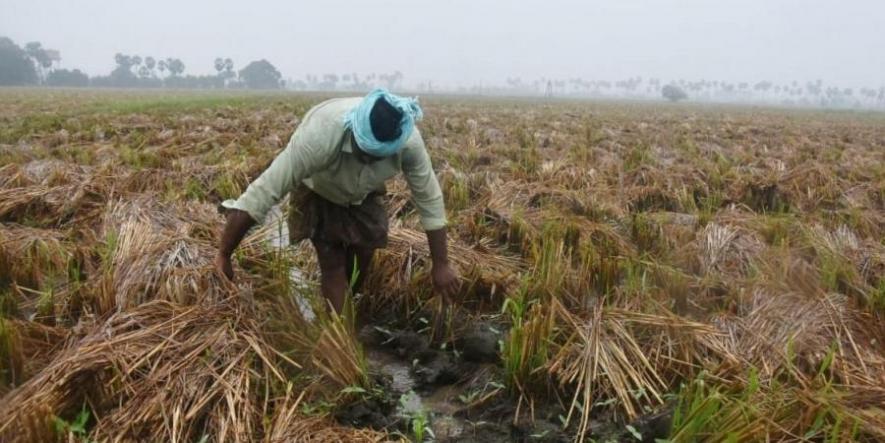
[{"x": 437, "y": 405}]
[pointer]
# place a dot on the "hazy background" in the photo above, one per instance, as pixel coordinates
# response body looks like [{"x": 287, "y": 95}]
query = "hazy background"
[{"x": 461, "y": 42}]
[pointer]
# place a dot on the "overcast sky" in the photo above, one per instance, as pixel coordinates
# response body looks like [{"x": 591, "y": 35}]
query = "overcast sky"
[{"x": 469, "y": 41}]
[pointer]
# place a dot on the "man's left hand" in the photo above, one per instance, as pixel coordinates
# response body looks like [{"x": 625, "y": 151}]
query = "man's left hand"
[{"x": 445, "y": 280}]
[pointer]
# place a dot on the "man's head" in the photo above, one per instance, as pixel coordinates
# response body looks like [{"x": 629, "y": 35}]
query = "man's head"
[
  {"x": 385, "y": 121},
  {"x": 382, "y": 122}
]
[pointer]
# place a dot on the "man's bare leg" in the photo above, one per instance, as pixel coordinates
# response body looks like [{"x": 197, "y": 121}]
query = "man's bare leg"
[{"x": 333, "y": 272}]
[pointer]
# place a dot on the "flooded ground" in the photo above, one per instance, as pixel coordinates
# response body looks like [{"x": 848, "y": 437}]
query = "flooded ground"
[{"x": 449, "y": 390}]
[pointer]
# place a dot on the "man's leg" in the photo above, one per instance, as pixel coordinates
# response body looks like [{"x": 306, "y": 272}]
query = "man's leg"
[
  {"x": 359, "y": 261},
  {"x": 333, "y": 272}
]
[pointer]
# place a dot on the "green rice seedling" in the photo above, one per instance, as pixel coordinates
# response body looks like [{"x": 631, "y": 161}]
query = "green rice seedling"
[
  {"x": 696, "y": 409},
  {"x": 688, "y": 146},
  {"x": 646, "y": 234},
  {"x": 755, "y": 409},
  {"x": 637, "y": 156},
  {"x": 337, "y": 353},
  {"x": 601, "y": 266},
  {"x": 11, "y": 361},
  {"x": 777, "y": 229},
  {"x": 835, "y": 272},
  {"x": 194, "y": 189},
  {"x": 519, "y": 232},
  {"x": 529, "y": 162},
  {"x": 527, "y": 347},
  {"x": 417, "y": 418},
  {"x": 551, "y": 263},
  {"x": 456, "y": 192},
  {"x": 8, "y": 303},
  {"x": 687, "y": 200},
  {"x": 228, "y": 184},
  {"x": 708, "y": 206},
  {"x": 139, "y": 158},
  {"x": 838, "y": 273},
  {"x": 636, "y": 281},
  {"x": 878, "y": 297},
  {"x": 527, "y": 157},
  {"x": 74, "y": 430},
  {"x": 581, "y": 154},
  {"x": 45, "y": 305}
]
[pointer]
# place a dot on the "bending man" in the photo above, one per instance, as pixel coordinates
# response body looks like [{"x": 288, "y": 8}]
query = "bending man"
[{"x": 334, "y": 169}]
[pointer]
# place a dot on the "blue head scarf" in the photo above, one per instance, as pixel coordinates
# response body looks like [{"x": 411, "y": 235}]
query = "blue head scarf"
[{"x": 357, "y": 120}]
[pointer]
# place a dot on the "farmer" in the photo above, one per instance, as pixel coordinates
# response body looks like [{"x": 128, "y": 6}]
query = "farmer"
[{"x": 334, "y": 169}]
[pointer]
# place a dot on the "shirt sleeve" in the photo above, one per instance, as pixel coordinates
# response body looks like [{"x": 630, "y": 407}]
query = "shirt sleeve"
[
  {"x": 301, "y": 158},
  {"x": 426, "y": 192}
]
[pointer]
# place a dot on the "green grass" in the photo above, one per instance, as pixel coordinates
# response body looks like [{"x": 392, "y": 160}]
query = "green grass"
[{"x": 526, "y": 349}]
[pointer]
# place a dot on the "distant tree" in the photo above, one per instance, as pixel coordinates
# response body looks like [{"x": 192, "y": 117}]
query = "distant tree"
[
  {"x": 219, "y": 65},
  {"x": 175, "y": 66},
  {"x": 150, "y": 63},
  {"x": 224, "y": 67},
  {"x": 162, "y": 67},
  {"x": 261, "y": 74},
  {"x": 673, "y": 93},
  {"x": 16, "y": 67},
  {"x": 122, "y": 75},
  {"x": 64, "y": 77},
  {"x": 43, "y": 58},
  {"x": 35, "y": 51}
]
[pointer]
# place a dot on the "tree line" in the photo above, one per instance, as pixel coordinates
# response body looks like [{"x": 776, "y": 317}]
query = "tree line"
[
  {"x": 791, "y": 93},
  {"x": 35, "y": 65}
]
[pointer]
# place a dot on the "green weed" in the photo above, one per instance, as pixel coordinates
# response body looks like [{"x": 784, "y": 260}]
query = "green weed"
[{"x": 527, "y": 348}]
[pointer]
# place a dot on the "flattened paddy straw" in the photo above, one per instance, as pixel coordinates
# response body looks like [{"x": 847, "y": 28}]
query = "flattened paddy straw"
[{"x": 691, "y": 274}]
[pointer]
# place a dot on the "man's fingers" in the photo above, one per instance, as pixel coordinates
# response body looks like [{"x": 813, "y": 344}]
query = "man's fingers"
[{"x": 452, "y": 288}]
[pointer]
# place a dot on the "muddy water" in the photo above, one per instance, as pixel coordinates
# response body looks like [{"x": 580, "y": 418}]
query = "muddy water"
[{"x": 438, "y": 404}]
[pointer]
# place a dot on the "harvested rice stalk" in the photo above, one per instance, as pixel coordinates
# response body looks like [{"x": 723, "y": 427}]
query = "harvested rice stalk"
[
  {"x": 488, "y": 272},
  {"x": 159, "y": 370},
  {"x": 604, "y": 357}
]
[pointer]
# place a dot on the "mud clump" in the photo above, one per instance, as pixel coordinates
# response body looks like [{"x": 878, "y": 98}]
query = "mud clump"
[
  {"x": 479, "y": 344},
  {"x": 375, "y": 413},
  {"x": 440, "y": 369}
]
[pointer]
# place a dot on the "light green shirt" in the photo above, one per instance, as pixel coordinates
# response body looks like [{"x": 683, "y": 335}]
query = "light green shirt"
[{"x": 320, "y": 156}]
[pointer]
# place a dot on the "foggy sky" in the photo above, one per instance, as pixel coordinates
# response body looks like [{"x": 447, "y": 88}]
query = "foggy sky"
[{"x": 471, "y": 41}]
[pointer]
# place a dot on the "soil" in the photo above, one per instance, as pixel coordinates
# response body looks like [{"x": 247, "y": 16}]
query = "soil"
[{"x": 454, "y": 384}]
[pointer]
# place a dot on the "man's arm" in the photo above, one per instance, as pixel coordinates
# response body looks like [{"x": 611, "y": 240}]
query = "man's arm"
[
  {"x": 238, "y": 224},
  {"x": 428, "y": 199},
  {"x": 299, "y": 160},
  {"x": 445, "y": 280}
]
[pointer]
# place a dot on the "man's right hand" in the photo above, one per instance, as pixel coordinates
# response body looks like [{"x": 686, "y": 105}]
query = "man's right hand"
[
  {"x": 238, "y": 223},
  {"x": 224, "y": 266}
]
